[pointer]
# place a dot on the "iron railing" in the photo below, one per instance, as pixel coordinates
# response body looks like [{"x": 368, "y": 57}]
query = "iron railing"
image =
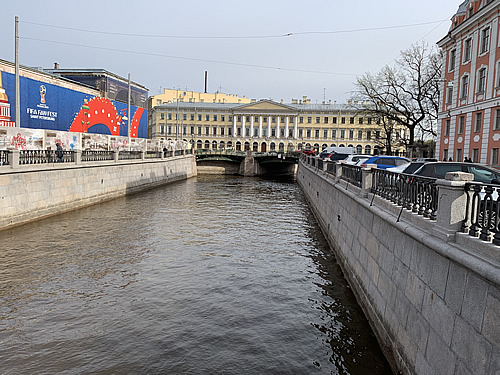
[
  {"x": 415, "y": 193},
  {"x": 129, "y": 155},
  {"x": 90, "y": 155},
  {"x": 153, "y": 154},
  {"x": 28, "y": 157},
  {"x": 4, "y": 157},
  {"x": 482, "y": 212},
  {"x": 352, "y": 174}
]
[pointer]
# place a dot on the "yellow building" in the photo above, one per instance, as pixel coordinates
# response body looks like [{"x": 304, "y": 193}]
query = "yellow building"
[{"x": 266, "y": 125}]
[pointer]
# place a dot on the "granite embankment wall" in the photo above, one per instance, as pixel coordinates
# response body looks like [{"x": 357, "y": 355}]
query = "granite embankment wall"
[
  {"x": 30, "y": 193},
  {"x": 433, "y": 304}
]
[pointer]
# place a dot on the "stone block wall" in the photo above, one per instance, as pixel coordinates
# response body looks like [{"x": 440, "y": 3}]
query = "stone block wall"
[
  {"x": 30, "y": 193},
  {"x": 434, "y": 305}
]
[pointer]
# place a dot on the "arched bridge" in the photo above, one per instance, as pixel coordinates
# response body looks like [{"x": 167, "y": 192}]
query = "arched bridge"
[{"x": 246, "y": 163}]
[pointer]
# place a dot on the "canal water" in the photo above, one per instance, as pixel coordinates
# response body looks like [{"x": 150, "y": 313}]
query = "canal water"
[{"x": 213, "y": 275}]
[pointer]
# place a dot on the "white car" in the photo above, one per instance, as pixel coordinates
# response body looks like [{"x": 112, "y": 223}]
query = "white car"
[{"x": 355, "y": 159}]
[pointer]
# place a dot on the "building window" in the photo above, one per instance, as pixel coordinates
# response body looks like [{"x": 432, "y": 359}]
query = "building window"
[
  {"x": 465, "y": 86},
  {"x": 170, "y": 116},
  {"x": 229, "y": 132},
  {"x": 447, "y": 128},
  {"x": 481, "y": 80},
  {"x": 497, "y": 120},
  {"x": 222, "y": 118},
  {"x": 325, "y": 133},
  {"x": 273, "y": 132},
  {"x": 351, "y": 134},
  {"x": 214, "y": 130},
  {"x": 459, "y": 155},
  {"x": 184, "y": 116},
  {"x": 162, "y": 116},
  {"x": 192, "y": 117},
  {"x": 301, "y": 133},
  {"x": 360, "y": 135},
  {"x": 301, "y": 120},
  {"x": 162, "y": 129},
  {"x": 199, "y": 117},
  {"x": 475, "y": 155},
  {"x": 342, "y": 120},
  {"x": 207, "y": 117},
  {"x": 334, "y": 134},
  {"x": 453, "y": 55},
  {"x": 317, "y": 120},
  {"x": 309, "y": 120},
  {"x": 184, "y": 130},
  {"x": 273, "y": 119},
  {"x": 192, "y": 130},
  {"x": 326, "y": 120},
  {"x": 247, "y": 118},
  {"x": 449, "y": 94},
  {"x": 368, "y": 135},
  {"x": 222, "y": 130},
  {"x": 199, "y": 130},
  {"x": 334, "y": 120},
  {"x": 351, "y": 120},
  {"x": 494, "y": 156},
  {"x": 207, "y": 130},
  {"x": 461, "y": 124},
  {"x": 342, "y": 134},
  {"x": 360, "y": 121},
  {"x": 445, "y": 155},
  {"x": 215, "y": 117},
  {"x": 377, "y": 134},
  {"x": 467, "y": 49},
  {"x": 239, "y": 119},
  {"x": 238, "y": 132},
  {"x": 485, "y": 40},
  {"x": 308, "y": 133},
  {"x": 369, "y": 120},
  {"x": 316, "y": 133},
  {"x": 477, "y": 123}
]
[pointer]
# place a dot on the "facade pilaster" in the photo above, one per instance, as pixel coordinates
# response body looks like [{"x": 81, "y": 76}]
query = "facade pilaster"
[
  {"x": 278, "y": 127},
  {"x": 296, "y": 127},
  {"x": 260, "y": 126},
  {"x": 251, "y": 126},
  {"x": 269, "y": 125},
  {"x": 234, "y": 125},
  {"x": 287, "y": 119},
  {"x": 243, "y": 125}
]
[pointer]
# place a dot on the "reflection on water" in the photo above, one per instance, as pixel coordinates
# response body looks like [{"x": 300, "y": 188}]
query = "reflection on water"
[{"x": 216, "y": 274}]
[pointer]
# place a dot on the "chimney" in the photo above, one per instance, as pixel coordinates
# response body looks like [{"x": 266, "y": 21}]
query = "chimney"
[
  {"x": 330, "y": 101},
  {"x": 56, "y": 65},
  {"x": 281, "y": 101}
]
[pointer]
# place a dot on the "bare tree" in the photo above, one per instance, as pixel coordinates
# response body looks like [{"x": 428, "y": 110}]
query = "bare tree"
[{"x": 407, "y": 93}]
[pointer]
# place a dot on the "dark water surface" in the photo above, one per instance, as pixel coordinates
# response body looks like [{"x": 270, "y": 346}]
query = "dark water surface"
[{"x": 214, "y": 275}]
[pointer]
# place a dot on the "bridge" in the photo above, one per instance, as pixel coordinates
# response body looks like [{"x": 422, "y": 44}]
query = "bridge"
[{"x": 246, "y": 163}]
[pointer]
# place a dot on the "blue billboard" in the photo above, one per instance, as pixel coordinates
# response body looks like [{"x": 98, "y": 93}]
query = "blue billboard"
[{"x": 49, "y": 106}]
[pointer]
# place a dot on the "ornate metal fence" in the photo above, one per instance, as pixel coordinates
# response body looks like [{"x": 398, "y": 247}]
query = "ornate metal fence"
[
  {"x": 130, "y": 155},
  {"x": 4, "y": 157},
  {"x": 90, "y": 155},
  {"x": 27, "y": 157}
]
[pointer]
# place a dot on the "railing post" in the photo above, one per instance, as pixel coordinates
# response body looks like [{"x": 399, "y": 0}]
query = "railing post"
[
  {"x": 143, "y": 155},
  {"x": 451, "y": 204},
  {"x": 338, "y": 171},
  {"x": 78, "y": 157},
  {"x": 366, "y": 181},
  {"x": 14, "y": 162},
  {"x": 116, "y": 155}
]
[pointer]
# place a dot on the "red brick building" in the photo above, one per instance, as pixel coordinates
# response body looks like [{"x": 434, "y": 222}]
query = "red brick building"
[{"x": 469, "y": 118}]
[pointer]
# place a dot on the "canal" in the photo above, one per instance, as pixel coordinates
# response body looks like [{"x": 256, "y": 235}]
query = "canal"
[{"x": 213, "y": 275}]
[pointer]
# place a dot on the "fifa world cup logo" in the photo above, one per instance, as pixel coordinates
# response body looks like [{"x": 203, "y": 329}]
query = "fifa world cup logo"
[{"x": 43, "y": 90}]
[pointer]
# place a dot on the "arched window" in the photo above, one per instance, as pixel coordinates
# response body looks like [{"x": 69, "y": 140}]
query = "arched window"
[
  {"x": 333, "y": 145},
  {"x": 247, "y": 146},
  {"x": 238, "y": 146},
  {"x": 207, "y": 144},
  {"x": 199, "y": 144},
  {"x": 350, "y": 146},
  {"x": 214, "y": 145},
  {"x": 263, "y": 147},
  {"x": 255, "y": 147},
  {"x": 323, "y": 146},
  {"x": 341, "y": 145},
  {"x": 359, "y": 149},
  {"x": 281, "y": 147},
  {"x": 222, "y": 144},
  {"x": 299, "y": 146},
  {"x": 230, "y": 144},
  {"x": 272, "y": 146},
  {"x": 368, "y": 150}
]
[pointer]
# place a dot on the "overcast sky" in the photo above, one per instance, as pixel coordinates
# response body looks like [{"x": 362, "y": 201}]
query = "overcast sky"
[{"x": 259, "y": 49}]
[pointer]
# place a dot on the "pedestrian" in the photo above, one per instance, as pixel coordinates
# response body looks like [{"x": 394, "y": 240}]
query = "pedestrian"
[
  {"x": 450, "y": 159},
  {"x": 165, "y": 152},
  {"x": 59, "y": 153}
]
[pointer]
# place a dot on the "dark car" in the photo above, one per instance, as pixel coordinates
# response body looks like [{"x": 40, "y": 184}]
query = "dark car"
[
  {"x": 384, "y": 161},
  {"x": 481, "y": 172}
]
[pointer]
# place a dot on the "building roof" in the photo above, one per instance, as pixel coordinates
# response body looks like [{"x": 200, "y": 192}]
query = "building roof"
[{"x": 236, "y": 106}]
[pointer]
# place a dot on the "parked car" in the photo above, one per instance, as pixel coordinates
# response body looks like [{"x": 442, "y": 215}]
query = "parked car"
[
  {"x": 355, "y": 159},
  {"x": 336, "y": 153},
  {"x": 481, "y": 172},
  {"x": 309, "y": 151},
  {"x": 407, "y": 168},
  {"x": 385, "y": 161}
]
